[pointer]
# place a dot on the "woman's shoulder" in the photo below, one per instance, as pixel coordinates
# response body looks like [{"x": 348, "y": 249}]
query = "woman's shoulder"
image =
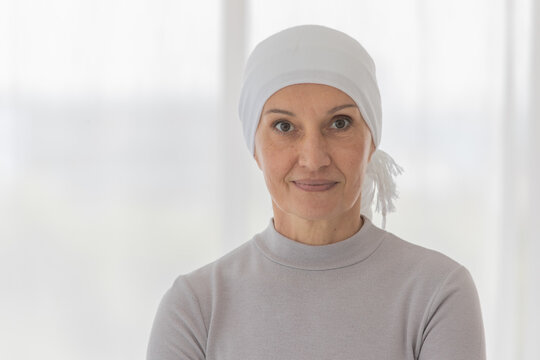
[
  {"x": 407, "y": 247},
  {"x": 416, "y": 261},
  {"x": 426, "y": 275},
  {"x": 234, "y": 262}
]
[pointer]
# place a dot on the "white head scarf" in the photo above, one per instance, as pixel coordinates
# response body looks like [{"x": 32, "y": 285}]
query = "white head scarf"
[{"x": 321, "y": 55}]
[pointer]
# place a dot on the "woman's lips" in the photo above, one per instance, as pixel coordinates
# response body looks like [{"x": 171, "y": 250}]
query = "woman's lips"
[{"x": 315, "y": 186}]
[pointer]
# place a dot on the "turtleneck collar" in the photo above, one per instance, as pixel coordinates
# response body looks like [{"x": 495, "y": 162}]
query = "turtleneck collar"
[{"x": 288, "y": 252}]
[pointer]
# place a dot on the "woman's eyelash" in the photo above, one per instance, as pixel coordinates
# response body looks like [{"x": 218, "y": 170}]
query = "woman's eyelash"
[
  {"x": 343, "y": 117},
  {"x": 338, "y": 117},
  {"x": 276, "y": 123}
]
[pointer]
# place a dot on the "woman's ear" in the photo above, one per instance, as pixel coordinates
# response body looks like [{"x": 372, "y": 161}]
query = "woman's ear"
[
  {"x": 372, "y": 150},
  {"x": 256, "y": 159}
]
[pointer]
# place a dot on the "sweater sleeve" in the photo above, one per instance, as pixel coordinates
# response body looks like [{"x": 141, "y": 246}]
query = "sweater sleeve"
[
  {"x": 178, "y": 331},
  {"x": 454, "y": 329}
]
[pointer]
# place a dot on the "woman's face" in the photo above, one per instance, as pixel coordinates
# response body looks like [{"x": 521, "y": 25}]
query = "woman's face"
[{"x": 313, "y": 147}]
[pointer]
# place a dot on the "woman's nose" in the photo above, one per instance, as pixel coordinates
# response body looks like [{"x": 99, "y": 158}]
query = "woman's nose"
[{"x": 313, "y": 151}]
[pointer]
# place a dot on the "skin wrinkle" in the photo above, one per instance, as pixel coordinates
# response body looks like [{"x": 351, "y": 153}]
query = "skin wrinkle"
[
  {"x": 313, "y": 149},
  {"x": 331, "y": 111}
]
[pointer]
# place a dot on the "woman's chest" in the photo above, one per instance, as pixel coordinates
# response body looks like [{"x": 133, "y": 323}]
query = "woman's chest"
[{"x": 309, "y": 320}]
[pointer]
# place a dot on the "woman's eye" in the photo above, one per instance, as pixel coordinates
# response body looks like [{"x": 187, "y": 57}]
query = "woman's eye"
[
  {"x": 283, "y": 126},
  {"x": 341, "y": 123}
]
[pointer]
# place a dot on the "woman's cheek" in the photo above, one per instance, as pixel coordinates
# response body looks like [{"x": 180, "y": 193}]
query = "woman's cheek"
[{"x": 279, "y": 162}]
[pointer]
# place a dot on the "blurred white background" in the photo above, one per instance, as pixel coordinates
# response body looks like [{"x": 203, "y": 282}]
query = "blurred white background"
[{"x": 122, "y": 162}]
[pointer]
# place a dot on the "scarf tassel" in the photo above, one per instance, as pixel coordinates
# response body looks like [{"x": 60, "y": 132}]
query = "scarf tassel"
[{"x": 379, "y": 177}]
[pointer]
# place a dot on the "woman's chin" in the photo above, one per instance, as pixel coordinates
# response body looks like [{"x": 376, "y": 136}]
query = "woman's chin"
[
  {"x": 310, "y": 208},
  {"x": 315, "y": 213}
]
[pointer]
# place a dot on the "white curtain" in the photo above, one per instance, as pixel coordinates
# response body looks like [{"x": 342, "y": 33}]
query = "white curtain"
[{"x": 122, "y": 163}]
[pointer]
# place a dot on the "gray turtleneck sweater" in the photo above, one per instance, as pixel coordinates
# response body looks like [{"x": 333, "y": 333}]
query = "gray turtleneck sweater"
[{"x": 372, "y": 296}]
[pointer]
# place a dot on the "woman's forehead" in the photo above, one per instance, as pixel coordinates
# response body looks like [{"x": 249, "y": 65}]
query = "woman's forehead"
[{"x": 297, "y": 94}]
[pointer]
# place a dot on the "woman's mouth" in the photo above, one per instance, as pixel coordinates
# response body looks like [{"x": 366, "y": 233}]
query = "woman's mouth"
[{"x": 314, "y": 185}]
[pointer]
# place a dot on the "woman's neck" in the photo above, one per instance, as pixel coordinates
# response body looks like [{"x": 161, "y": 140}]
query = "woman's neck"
[{"x": 320, "y": 231}]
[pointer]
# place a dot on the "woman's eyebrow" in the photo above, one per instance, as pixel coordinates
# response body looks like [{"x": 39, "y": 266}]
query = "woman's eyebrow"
[
  {"x": 334, "y": 109},
  {"x": 279, "y": 111},
  {"x": 331, "y": 111}
]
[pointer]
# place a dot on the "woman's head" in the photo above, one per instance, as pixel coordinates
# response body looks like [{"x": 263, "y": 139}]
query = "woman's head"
[
  {"x": 304, "y": 69},
  {"x": 309, "y": 54},
  {"x": 313, "y": 147}
]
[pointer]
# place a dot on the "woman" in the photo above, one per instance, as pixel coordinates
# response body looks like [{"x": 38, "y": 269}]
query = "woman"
[{"x": 321, "y": 281}]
